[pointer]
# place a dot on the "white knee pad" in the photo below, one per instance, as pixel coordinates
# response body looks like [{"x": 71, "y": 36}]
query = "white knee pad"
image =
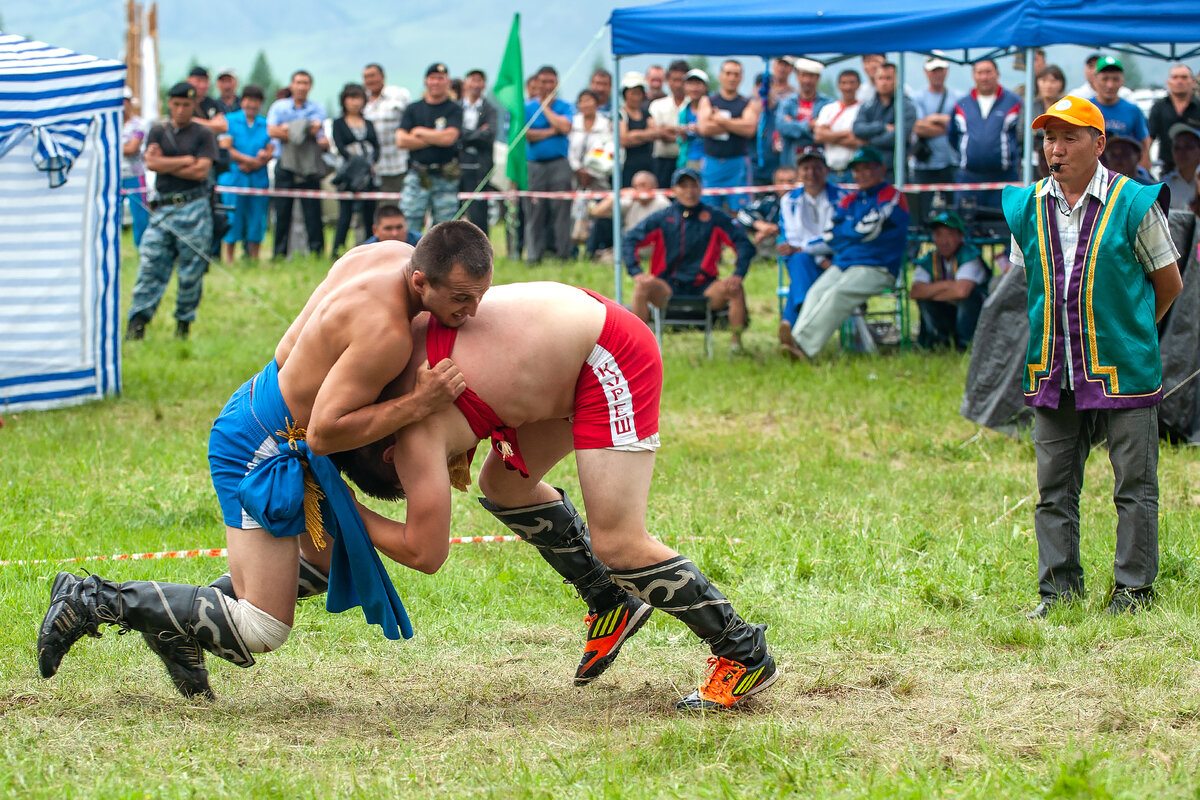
[{"x": 260, "y": 631}]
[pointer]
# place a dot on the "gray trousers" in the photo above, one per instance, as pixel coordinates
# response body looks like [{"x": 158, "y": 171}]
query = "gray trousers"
[
  {"x": 543, "y": 216},
  {"x": 1062, "y": 439},
  {"x": 832, "y": 298}
]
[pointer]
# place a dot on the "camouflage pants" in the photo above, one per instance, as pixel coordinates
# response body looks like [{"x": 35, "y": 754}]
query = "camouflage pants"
[
  {"x": 440, "y": 199},
  {"x": 175, "y": 233}
]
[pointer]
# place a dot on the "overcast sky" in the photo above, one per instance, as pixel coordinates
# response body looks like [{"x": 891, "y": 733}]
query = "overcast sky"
[{"x": 334, "y": 40}]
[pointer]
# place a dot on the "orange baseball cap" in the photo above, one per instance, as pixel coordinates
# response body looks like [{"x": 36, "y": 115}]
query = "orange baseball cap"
[{"x": 1074, "y": 110}]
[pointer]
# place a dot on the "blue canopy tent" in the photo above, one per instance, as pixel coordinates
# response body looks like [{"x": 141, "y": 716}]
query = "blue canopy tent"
[{"x": 770, "y": 28}]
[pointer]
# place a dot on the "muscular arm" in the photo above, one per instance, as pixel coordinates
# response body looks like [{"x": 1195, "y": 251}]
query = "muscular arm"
[
  {"x": 747, "y": 124},
  {"x": 217, "y": 124},
  {"x": 422, "y": 541}
]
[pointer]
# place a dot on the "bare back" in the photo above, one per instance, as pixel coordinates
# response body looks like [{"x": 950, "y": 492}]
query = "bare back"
[{"x": 522, "y": 353}]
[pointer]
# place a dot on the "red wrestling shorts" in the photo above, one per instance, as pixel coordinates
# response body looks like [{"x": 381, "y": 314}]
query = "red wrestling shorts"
[{"x": 619, "y": 389}]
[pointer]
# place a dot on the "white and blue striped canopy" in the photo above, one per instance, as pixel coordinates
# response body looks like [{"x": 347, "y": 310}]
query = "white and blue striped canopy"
[{"x": 60, "y": 127}]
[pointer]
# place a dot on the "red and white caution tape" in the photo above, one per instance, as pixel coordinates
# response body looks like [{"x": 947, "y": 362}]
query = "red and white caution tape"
[
  {"x": 221, "y": 552},
  {"x": 320, "y": 194}
]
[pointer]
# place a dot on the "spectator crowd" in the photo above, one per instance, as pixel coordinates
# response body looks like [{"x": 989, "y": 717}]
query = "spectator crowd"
[{"x": 827, "y": 148}]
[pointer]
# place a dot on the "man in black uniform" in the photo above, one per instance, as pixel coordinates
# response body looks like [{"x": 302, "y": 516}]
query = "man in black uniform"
[
  {"x": 429, "y": 130},
  {"x": 182, "y": 152}
]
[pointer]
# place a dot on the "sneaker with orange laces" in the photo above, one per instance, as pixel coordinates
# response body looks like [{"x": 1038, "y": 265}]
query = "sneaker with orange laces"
[
  {"x": 607, "y": 631},
  {"x": 728, "y": 683}
]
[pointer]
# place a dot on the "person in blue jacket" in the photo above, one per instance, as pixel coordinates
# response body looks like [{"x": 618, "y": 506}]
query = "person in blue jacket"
[{"x": 867, "y": 236}]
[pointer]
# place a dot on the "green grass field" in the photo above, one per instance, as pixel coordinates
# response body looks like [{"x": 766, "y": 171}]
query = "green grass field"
[{"x": 889, "y": 548}]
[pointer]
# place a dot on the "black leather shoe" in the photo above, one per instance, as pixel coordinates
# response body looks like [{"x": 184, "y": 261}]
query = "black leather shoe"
[
  {"x": 182, "y": 329},
  {"x": 135, "y": 330},
  {"x": 1130, "y": 601},
  {"x": 1049, "y": 602}
]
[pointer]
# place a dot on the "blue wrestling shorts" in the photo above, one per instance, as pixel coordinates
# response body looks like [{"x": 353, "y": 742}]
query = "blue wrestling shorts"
[{"x": 242, "y": 437}]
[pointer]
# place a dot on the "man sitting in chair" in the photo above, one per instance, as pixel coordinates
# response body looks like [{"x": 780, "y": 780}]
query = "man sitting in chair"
[
  {"x": 867, "y": 235},
  {"x": 687, "y": 238},
  {"x": 949, "y": 284}
]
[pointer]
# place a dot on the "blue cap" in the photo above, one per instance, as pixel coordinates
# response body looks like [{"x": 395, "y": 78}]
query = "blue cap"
[{"x": 684, "y": 172}]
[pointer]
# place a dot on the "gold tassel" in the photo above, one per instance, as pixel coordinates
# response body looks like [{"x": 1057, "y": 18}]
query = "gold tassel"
[
  {"x": 459, "y": 467},
  {"x": 312, "y": 510},
  {"x": 506, "y": 451},
  {"x": 313, "y": 523}
]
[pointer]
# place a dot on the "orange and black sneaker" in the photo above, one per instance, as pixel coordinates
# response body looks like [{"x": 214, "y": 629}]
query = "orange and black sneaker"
[
  {"x": 607, "y": 631},
  {"x": 728, "y": 683}
]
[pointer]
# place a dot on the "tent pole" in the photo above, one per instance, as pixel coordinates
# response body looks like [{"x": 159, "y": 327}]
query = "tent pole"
[
  {"x": 1027, "y": 119},
  {"x": 900, "y": 153},
  {"x": 616, "y": 184}
]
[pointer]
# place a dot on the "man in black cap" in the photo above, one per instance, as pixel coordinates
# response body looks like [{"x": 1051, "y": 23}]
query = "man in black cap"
[
  {"x": 686, "y": 237},
  {"x": 208, "y": 113},
  {"x": 181, "y": 152},
  {"x": 429, "y": 131}
]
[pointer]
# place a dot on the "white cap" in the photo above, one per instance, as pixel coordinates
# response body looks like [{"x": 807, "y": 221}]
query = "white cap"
[
  {"x": 698, "y": 74},
  {"x": 223, "y": 71},
  {"x": 934, "y": 62},
  {"x": 633, "y": 80},
  {"x": 808, "y": 66}
]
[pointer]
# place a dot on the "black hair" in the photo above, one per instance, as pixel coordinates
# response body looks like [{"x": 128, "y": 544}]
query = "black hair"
[
  {"x": 351, "y": 90},
  {"x": 587, "y": 93},
  {"x": 548, "y": 70},
  {"x": 385, "y": 210},
  {"x": 988, "y": 60},
  {"x": 678, "y": 65},
  {"x": 253, "y": 91},
  {"x": 844, "y": 73},
  {"x": 369, "y": 472},
  {"x": 373, "y": 65},
  {"x": 305, "y": 73},
  {"x": 478, "y": 72},
  {"x": 601, "y": 71},
  {"x": 447, "y": 244}
]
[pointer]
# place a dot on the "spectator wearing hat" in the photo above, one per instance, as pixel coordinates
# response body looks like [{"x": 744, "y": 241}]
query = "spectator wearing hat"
[
  {"x": 691, "y": 143},
  {"x": 1092, "y": 361},
  {"x": 798, "y": 111},
  {"x": 934, "y": 159},
  {"x": 686, "y": 239},
  {"x": 638, "y": 130},
  {"x": 181, "y": 153},
  {"x": 481, "y": 120},
  {"x": 665, "y": 113},
  {"x": 548, "y": 222},
  {"x": 385, "y": 105},
  {"x": 249, "y": 146},
  {"x": 1087, "y": 89},
  {"x": 208, "y": 112},
  {"x": 728, "y": 121},
  {"x": 1179, "y": 106},
  {"x": 949, "y": 284},
  {"x": 984, "y": 131},
  {"x": 1185, "y": 151},
  {"x": 429, "y": 131},
  {"x": 875, "y": 123},
  {"x": 227, "y": 91},
  {"x": 834, "y": 126},
  {"x": 867, "y": 234},
  {"x": 1122, "y": 155},
  {"x": 805, "y": 214},
  {"x": 297, "y": 125},
  {"x": 133, "y": 168},
  {"x": 1121, "y": 117}
]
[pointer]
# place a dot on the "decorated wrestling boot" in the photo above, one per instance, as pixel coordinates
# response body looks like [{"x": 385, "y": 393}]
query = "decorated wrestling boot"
[
  {"x": 183, "y": 655},
  {"x": 562, "y": 539},
  {"x": 168, "y": 610},
  {"x": 741, "y": 666}
]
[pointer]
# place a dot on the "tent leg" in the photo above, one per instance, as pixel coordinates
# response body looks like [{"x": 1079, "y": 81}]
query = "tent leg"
[{"x": 616, "y": 188}]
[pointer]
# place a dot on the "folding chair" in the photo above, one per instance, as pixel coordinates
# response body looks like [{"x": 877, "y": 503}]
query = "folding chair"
[{"x": 687, "y": 312}]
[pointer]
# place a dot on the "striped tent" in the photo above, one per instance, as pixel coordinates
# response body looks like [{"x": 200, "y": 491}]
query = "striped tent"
[{"x": 60, "y": 175}]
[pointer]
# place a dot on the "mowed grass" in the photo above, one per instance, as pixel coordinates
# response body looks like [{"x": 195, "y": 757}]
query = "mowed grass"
[{"x": 887, "y": 545}]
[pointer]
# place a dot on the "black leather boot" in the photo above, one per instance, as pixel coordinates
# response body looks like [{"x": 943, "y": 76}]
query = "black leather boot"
[{"x": 562, "y": 539}]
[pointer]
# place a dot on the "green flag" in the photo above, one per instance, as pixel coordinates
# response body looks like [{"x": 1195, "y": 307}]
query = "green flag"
[{"x": 510, "y": 91}]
